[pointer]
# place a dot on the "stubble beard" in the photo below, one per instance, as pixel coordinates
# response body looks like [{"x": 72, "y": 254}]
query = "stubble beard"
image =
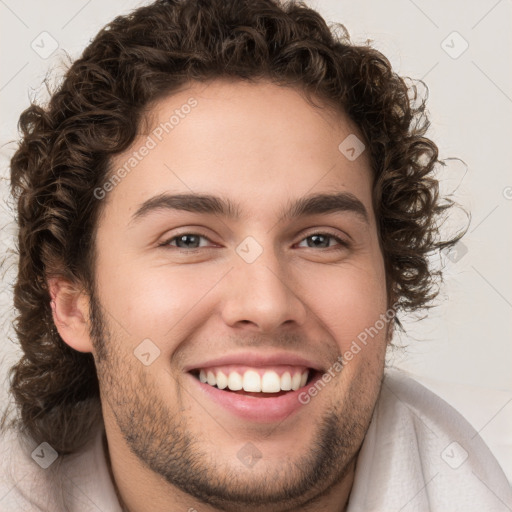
[{"x": 164, "y": 441}]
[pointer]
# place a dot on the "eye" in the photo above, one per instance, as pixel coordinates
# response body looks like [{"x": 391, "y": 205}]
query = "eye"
[
  {"x": 185, "y": 241},
  {"x": 321, "y": 240},
  {"x": 315, "y": 240}
]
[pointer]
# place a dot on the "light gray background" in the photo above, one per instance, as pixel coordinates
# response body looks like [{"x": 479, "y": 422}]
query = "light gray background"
[{"x": 462, "y": 350}]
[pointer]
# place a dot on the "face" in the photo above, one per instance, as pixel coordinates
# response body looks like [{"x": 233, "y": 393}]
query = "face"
[{"x": 257, "y": 286}]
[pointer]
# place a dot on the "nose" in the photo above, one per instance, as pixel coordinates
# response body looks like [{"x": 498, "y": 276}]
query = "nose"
[{"x": 261, "y": 296}]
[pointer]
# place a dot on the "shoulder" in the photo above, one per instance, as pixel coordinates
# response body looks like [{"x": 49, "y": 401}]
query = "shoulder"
[
  {"x": 34, "y": 477},
  {"x": 420, "y": 454},
  {"x": 22, "y": 480}
]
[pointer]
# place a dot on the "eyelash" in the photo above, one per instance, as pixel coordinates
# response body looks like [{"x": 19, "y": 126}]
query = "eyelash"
[{"x": 343, "y": 243}]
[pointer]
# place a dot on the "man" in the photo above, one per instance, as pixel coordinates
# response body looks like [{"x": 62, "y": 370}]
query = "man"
[{"x": 221, "y": 212}]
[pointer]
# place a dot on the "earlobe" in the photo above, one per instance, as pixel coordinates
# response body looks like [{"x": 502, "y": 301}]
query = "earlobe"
[{"x": 70, "y": 311}]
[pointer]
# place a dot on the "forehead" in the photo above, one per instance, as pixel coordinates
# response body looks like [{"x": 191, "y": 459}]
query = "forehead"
[{"x": 259, "y": 143}]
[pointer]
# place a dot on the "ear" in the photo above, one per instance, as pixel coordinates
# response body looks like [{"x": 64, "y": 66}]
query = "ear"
[{"x": 70, "y": 311}]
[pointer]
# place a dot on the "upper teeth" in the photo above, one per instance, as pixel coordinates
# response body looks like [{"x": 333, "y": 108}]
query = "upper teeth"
[{"x": 250, "y": 380}]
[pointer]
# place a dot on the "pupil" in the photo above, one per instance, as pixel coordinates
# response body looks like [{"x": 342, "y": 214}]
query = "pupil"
[
  {"x": 315, "y": 240},
  {"x": 186, "y": 238}
]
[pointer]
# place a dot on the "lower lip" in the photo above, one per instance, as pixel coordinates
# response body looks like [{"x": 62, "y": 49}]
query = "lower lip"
[{"x": 255, "y": 409}]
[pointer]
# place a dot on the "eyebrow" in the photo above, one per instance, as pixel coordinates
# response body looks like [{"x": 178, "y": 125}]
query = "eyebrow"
[{"x": 317, "y": 204}]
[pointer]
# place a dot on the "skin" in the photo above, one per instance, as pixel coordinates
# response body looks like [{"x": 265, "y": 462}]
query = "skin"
[{"x": 170, "y": 447}]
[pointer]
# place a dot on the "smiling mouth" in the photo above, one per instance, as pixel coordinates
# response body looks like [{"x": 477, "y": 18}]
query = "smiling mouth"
[{"x": 256, "y": 381}]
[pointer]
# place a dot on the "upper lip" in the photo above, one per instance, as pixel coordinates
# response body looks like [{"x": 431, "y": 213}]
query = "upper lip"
[{"x": 257, "y": 360}]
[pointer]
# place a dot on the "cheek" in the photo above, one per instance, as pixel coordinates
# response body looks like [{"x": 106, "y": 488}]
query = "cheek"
[
  {"x": 349, "y": 301},
  {"x": 157, "y": 302}
]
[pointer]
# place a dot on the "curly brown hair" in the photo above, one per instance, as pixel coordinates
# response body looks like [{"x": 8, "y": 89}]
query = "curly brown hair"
[{"x": 66, "y": 148}]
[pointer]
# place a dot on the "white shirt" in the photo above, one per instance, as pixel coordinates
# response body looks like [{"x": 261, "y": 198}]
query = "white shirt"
[{"x": 419, "y": 455}]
